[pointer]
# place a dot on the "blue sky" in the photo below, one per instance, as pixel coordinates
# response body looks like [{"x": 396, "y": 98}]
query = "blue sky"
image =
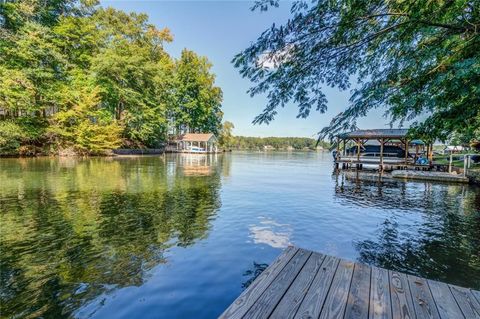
[{"x": 219, "y": 30}]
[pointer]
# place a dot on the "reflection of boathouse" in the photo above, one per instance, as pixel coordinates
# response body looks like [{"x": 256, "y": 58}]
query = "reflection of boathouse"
[
  {"x": 194, "y": 143},
  {"x": 197, "y": 165}
]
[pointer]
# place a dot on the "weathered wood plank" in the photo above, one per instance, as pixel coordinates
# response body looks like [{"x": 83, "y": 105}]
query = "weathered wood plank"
[
  {"x": 476, "y": 293},
  {"x": 380, "y": 304},
  {"x": 248, "y": 297},
  {"x": 358, "y": 297},
  {"x": 336, "y": 301},
  {"x": 467, "y": 302},
  {"x": 265, "y": 304},
  {"x": 446, "y": 304},
  {"x": 289, "y": 304},
  {"x": 402, "y": 304},
  {"x": 311, "y": 305},
  {"x": 305, "y": 284},
  {"x": 423, "y": 302}
]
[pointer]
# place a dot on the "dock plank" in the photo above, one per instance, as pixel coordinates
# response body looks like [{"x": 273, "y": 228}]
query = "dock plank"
[
  {"x": 422, "y": 298},
  {"x": 266, "y": 303},
  {"x": 308, "y": 285},
  {"x": 358, "y": 297},
  {"x": 467, "y": 302},
  {"x": 336, "y": 302},
  {"x": 476, "y": 294},
  {"x": 312, "y": 304},
  {"x": 248, "y": 297},
  {"x": 446, "y": 304},
  {"x": 289, "y": 304},
  {"x": 402, "y": 304},
  {"x": 380, "y": 302}
]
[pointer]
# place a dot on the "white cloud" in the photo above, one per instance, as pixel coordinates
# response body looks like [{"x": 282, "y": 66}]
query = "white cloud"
[{"x": 271, "y": 233}]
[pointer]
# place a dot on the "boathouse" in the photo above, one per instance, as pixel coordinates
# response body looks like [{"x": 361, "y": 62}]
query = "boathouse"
[
  {"x": 196, "y": 143},
  {"x": 382, "y": 147}
]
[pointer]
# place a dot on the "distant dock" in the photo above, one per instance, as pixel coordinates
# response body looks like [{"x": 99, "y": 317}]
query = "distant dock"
[
  {"x": 430, "y": 176},
  {"x": 306, "y": 284}
]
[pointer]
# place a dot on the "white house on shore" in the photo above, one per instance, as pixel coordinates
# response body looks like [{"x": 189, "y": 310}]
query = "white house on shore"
[{"x": 453, "y": 149}]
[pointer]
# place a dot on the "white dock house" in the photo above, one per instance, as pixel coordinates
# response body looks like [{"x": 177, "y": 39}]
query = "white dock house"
[{"x": 196, "y": 143}]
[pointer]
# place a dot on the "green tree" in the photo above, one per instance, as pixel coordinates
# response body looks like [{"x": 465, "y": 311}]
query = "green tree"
[
  {"x": 135, "y": 73},
  {"x": 83, "y": 125},
  {"x": 419, "y": 60},
  {"x": 226, "y": 138},
  {"x": 198, "y": 101},
  {"x": 17, "y": 92},
  {"x": 11, "y": 136},
  {"x": 72, "y": 74}
]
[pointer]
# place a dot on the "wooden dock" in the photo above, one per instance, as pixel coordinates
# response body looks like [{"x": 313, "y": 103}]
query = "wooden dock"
[
  {"x": 306, "y": 284},
  {"x": 430, "y": 176}
]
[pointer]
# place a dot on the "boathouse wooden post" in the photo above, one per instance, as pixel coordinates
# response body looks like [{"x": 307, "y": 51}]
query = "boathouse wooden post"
[
  {"x": 337, "y": 155},
  {"x": 358, "y": 149},
  {"x": 406, "y": 152},
  {"x": 358, "y": 153},
  {"x": 338, "y": 146},
  {"x": 381, "y": 153},
  {"x": 450, "y": 163}
]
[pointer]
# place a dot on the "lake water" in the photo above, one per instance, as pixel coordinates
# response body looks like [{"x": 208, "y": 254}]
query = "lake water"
[{"x": 180, "y": 236}]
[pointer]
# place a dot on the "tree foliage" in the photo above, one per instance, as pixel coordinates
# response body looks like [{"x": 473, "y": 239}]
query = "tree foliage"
[
  {"x": 418, "y": 60},
  {"x": 98, "y": 77},
  {"x": 276, "y": 143},
  {"x": 198, "y": 101},
  {"x": 11, "y": 135},
  {"x": 226, "y": 138}
]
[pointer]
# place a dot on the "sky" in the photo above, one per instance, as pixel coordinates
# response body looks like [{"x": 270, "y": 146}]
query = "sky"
[{"x": 221, "y": 29}]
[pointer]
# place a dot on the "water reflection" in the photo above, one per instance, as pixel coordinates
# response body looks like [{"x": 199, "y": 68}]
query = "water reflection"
[
  {"x": 443, "y": 244},
  {"x": 271, "y": 233},
  {"x": 143, "y": 236},
  {"x": 73, "y": 229},
  {"x": 253, "y": 273}
]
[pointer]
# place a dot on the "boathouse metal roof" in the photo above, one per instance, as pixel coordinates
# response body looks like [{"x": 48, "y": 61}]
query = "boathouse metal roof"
[
  {"x": 196, "y": 137},
  {"x": 375, "y": 134}
]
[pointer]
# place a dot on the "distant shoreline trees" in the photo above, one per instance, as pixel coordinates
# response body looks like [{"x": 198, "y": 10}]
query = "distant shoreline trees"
[
  {"x": 228, "y": 141},
  {"x": 77, "y": 76},
  {"x": 276, "y": 143}
]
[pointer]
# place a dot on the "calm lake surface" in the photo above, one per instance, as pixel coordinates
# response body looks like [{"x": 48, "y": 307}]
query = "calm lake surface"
[{"x": 180, "y": 236}]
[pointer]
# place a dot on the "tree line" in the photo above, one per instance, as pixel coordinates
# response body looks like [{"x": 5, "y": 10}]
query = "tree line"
[
  {"x": 274, "y": 143},
  {"x": 75, "y": 76},
  {"x": 228, "y": 141}
]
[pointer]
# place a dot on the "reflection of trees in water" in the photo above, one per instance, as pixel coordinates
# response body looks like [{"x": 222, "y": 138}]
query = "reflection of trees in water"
[
  {"x": 70, "y": 234},
  {"x": 443, "y": 244},
  {"x": 253, "y": 273}
]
